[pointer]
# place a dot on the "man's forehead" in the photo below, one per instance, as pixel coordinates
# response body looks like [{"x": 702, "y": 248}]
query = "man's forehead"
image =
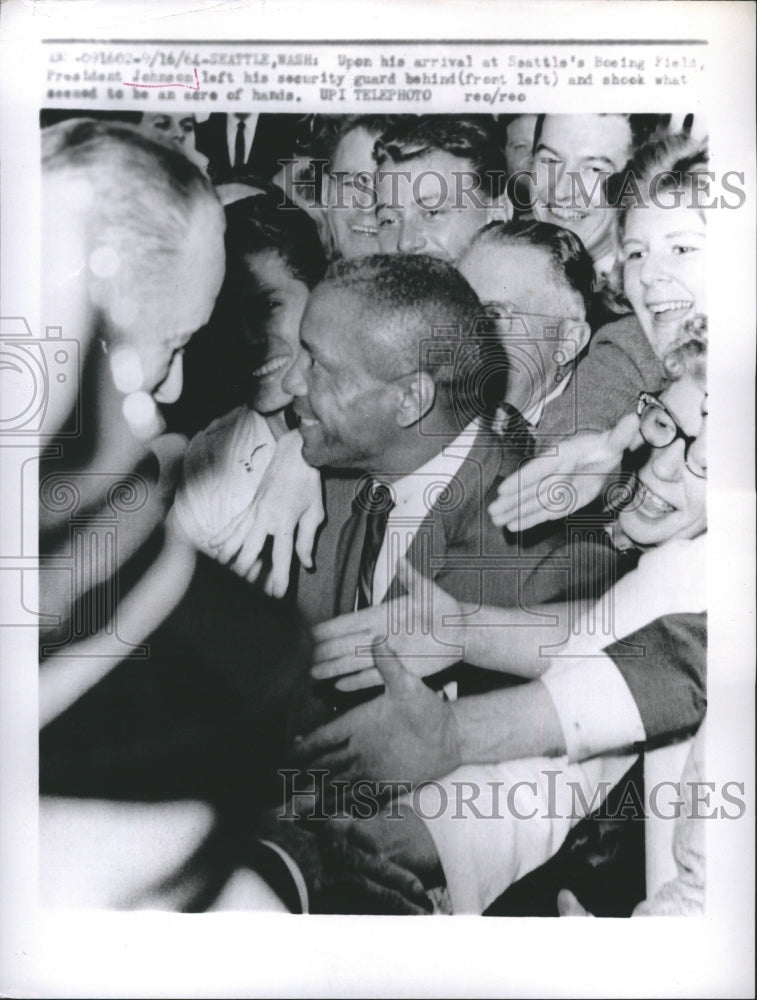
[
  {"x": 329, "y": 314},
  {"x": 354, "y": 151},
  {"x": 589, "y": 136},
  {"x": 428, "y": 175},
  {"x": 341, "y": 325}
]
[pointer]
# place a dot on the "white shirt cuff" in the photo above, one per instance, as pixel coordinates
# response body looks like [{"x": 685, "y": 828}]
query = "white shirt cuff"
[{"x": 596, "y": 709}]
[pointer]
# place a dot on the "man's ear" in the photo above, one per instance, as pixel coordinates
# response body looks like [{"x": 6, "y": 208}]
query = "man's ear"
[
  {"x": 574, "y": 336},
  {"x": 418, "y": 397}
]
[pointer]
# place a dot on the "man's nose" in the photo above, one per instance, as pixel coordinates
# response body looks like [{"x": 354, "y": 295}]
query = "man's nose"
[
  {"x": 170, "y": 388},
  {"x": 561, "y": 183},
  {"x": 295, "y": 381},
  {"x": 667, "y": 463},
  {"x": 412, "y": 238}
]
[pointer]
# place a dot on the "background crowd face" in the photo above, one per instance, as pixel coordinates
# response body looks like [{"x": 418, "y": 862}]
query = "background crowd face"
[
  {"x": 347, "y": 413},
  {"x": 590, "y": 147},
  {"x": 273, "y": 309},
  {"x": 671, "y": 500},
  {"x": 177, "y": 130},
  {"x": 422, "y": 206},
  {"x": 664, "y": 278},
  {"x": 521, "y": 279},
  {"x": 519, "y": 143},
  {"x": 351, "y": 212}
]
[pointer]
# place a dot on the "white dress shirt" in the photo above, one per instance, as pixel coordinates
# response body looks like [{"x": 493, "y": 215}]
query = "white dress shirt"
[
  {"x": 414, "y": 496},
  {"x": 250, "y": 124}
]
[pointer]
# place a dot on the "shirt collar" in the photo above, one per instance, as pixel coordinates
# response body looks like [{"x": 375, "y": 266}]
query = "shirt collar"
[
  {"x": 439, "y": 470},
  {"x": 534, "y": 414}
]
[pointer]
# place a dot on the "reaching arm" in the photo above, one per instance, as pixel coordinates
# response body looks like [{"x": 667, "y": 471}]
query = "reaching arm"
[
  {"x": 429, "y": 630},
  {"x": 577, "y": 473}
]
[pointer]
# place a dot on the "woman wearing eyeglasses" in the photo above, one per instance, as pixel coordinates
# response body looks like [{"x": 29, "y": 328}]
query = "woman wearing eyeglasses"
[{"x": 624, "y": 674}]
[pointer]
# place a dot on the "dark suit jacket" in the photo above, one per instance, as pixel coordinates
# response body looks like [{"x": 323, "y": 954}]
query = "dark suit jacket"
[
  {"x": 459, "y": 547},
  {"x": 275, "y": 139}
]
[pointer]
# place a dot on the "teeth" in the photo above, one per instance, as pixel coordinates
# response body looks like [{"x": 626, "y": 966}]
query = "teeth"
[
  {"x": 569, "y": 215},
  {"x": 651, "y": 501},
  {"x": 657, "y": 308},
  {"x": 308, "y": 421},
  {"x": 368, "y": 230},
  {"x": 269, "y": 367}
]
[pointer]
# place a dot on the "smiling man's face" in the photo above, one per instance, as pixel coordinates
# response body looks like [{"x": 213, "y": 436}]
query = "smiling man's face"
[
  {"x": 426, "y": 205},
  {"x": 351, "y": 211},
  {"x": 585, "y": 149}
]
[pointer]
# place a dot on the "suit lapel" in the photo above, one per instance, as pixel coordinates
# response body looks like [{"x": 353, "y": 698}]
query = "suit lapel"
[{"x": 454, "y": 509}]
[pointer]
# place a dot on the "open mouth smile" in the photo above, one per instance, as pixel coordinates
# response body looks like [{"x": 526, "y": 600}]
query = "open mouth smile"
[
  {"x": 650, "y": 503},
  {"x": 670, "y": 309},
  {"x": 270, "y": 367}
]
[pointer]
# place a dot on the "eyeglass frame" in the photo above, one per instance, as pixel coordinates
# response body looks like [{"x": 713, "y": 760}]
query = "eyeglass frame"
[{"x": 648, "y": 400}]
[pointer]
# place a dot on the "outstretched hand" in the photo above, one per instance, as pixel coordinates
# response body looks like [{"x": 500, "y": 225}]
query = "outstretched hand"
[
  {"x": 423, "y": 628},
  {"x": 552, "y": 486},
  {"x": 288, "y": 501},
  {"x": 408, "y": 734}
]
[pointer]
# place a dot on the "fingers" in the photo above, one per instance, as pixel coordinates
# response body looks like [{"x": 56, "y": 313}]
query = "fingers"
[
  {"x": 360, "y": 681},
  {"x": 306, "y": 532},
  {"x": 254, "y": 571},
  {"x": 393, "y": 673},
  {"x": 393, "y": 889},
  {"x": 354, "y": 644},
  {"x": 221, "y": 536},
  {"x": 323, "y": 739},
  {"x": 364, "y": 621},
  {"x": 518, "y": 505},
  {"x": 277, "y": 583},
  {"x": 339, "y": 764},
  {"x": 339, "y": 667},
  {"x": 248, "y": 555},
  {"x": 246, "y": 534}
]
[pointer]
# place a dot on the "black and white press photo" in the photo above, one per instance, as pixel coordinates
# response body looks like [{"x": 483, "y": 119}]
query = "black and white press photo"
[{"x": 358, "y": 452}]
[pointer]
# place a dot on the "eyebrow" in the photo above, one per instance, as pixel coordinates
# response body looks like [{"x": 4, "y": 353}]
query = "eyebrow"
[{"x": 592, "y": 156}]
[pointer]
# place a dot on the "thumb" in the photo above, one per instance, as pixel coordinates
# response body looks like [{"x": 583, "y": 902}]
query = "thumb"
[{"x": 389, "y": 665}]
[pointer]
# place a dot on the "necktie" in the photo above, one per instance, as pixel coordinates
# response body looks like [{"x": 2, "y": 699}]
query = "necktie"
[
  {"x": 239, "y": 146},
  {"x": 518, "y": 430},
  {"x": 375, "y": 500}
]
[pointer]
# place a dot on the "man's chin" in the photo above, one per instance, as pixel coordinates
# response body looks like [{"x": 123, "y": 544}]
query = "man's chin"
[{"x": 312, "y": 455}]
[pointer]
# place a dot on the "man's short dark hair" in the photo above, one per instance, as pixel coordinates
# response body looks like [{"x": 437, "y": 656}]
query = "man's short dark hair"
[
  {"x": 571, "y": 261},
  {"x": 428, "y": 318},
  {"x": 465, "y": 138},
  {"x": 642, "y": 127},
  {"x": 375, "y": 125},
  {"x": 261, "y": 223}
]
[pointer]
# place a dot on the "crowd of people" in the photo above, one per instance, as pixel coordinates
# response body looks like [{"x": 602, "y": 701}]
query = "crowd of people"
[{"x": 399, "y": 425}]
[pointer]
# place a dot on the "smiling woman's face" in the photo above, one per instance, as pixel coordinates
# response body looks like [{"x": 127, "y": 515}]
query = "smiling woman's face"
[
  {"x": 671, "y": 500},
  {"x": 664, "y": 269},
  {"x": 273, "y": 309}
]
